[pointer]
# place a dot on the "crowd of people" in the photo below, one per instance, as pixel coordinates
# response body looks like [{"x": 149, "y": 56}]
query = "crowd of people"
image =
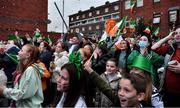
[{"x": 79, "y": 71}]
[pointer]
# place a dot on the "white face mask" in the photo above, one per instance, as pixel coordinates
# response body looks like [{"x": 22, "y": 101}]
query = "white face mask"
[
  {"x": 28, "y": 39},
  {"x": 142, "y": 44}
]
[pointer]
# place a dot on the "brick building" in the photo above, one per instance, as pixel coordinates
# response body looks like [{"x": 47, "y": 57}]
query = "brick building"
[
  {"x": 23, "y": 16},
  {"x": 162, "y": 13},
  {"x": 158, "y": 13},
  {"x": 91, "y": 22}
]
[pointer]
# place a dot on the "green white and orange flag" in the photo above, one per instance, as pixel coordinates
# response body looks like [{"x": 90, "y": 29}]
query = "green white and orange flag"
[
  {"x": 132, "y": 26},
  {"x": 119, "y": 26},
  {"x": 103, "y": 37},
  {"x": 132, "y": 4},
  {"x": 147, "y": 30},
  {"x": 156, "y": 32}
]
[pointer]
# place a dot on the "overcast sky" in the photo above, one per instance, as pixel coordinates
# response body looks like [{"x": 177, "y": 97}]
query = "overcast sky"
[{"x": 70, "y": 7}]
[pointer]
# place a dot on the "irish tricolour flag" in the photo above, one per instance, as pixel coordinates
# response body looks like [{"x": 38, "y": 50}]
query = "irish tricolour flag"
[{"x": 119, "y": 26}]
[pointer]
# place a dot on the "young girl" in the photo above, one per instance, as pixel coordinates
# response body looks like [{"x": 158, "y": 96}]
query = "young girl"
[
  {"x": 27, "y": 91},
  {"x": 111, "y": 76},
  {"x": 71, "y": 85}
]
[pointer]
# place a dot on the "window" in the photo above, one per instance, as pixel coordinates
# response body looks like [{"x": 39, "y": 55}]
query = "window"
[
  {"x": 72, "y": 24},
  {"x": 90, "y": 28},
  {"x": 173, "y": 16},
  {"x": 91, "y": 21},
  {"x": 97, "y": 12},
  {"x": 107, "y": 17},
  {"x": 72, "y": 18},
  {"x": 155, "y": 1},
  {"x": 83, "y": 29},
  {"x": 115, "y": 16},
  {"x": 139, "y": 3},
  {"x": 83, "y": 16},
  {"x": 77, "y": 17},
  {"x": 106, "y": 10},
  {"x": 71, "y": 30},
  {"x": 90, "y": 14},
  {"x": 77, "y": 23},
  {"x": 77, "y": 30},
  {"x": 156, "y": 18},
  {"x": 127, "y": 23},
  {"x": 116, "y": 7},
  {"x": 84, "y": 22},
  {"x": 97, "y": 27},
  {"x": 127, "y": 4},
  {"x": 98, "y": 19}
]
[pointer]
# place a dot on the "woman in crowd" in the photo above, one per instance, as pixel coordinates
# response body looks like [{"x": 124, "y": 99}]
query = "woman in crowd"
[
  {"x": 27, "y": 91},
  {"x": 121, "y": 54},
  {"x": 144, "y": 44},
  {"x": 45, "y": 57},
  {"x": 71, "y": 85},
  {"x": 60, "y": 58}
]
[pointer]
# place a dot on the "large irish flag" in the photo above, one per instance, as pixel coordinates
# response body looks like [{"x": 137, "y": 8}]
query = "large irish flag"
[{"x": 120, "y": 25}]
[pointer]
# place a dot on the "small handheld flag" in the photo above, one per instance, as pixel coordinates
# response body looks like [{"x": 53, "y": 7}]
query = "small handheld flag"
[
  {"x": 120, "y": 25},
  {"x": 147, "y": 30}
]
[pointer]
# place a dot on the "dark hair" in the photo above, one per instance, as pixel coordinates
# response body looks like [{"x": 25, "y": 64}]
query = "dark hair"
[
  {"x": 75, "y": 85},
  {"x": 138, "y": 82},
  {"x": 47, "y": 46},
  {"x": 113, "y": 60},
  {"x": 103, "y": 48}
]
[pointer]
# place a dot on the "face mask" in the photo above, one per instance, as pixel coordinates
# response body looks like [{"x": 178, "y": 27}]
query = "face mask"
[
  {"x": 28, "y": 39},
  {"x": 142, "y": 44}
]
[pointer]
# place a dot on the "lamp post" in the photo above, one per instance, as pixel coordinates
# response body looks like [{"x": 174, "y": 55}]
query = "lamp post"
[{"x": 63, "y": 17}]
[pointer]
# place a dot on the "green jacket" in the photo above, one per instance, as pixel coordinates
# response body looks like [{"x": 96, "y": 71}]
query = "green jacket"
[{"x": 28, "y": 92}]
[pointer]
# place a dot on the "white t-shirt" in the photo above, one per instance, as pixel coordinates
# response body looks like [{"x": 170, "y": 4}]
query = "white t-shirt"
[{"x": 80, "y": 103}]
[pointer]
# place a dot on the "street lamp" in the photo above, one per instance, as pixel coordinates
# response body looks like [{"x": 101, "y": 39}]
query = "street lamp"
[{"x": 63, "y": 17}]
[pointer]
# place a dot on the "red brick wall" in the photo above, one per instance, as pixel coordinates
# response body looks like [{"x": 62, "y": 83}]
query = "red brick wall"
[
  {"x": 22, "y": 15},
  {"x": 149, "y": 8}
]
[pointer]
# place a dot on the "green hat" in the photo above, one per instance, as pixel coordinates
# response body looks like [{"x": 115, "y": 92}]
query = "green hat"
[
  {"x": 12, "y": 37},
  {"x": 143, "y": 63},
  {"x": 37, "y": 35}
]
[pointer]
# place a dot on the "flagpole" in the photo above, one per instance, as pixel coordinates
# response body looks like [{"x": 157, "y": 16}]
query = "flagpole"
[{"x": 63, "y": 17}]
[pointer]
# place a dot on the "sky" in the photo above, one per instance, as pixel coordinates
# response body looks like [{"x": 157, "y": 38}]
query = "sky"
[{"x": 70, "y": 7}]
